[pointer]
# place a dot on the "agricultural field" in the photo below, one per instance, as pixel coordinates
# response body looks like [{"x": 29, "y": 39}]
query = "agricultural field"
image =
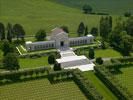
[
  {"x": 41, "y": 89},
  {"x": 126, "y": 77},
  {"x": 45, "y": 14},
  {"x": 107, "y": 6},
  {"x": 33, "y": 62},
  {"x": 105, "y": 92}
]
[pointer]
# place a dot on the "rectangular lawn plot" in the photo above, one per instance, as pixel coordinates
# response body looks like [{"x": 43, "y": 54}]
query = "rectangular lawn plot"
[
  {"x": 126, "y": 78},
  {"x": 41, "y": 90}
]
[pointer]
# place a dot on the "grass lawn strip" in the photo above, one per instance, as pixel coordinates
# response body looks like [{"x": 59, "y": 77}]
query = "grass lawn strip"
[{"x": 107, "y": 94}]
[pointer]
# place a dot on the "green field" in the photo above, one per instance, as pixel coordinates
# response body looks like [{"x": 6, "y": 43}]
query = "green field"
[
  {"x": 126, "y": 78},
  {"x": 107, "y": 53},
  {"x": 105, "y": 92},
  {"x": 34, "y": 62},
  {"x": 108, "y": 6},
  {"x": 41, "y": 90},
  {"x": 45, "y": 14}
]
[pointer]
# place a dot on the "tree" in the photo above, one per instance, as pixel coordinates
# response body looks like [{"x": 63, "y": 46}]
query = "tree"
[
  {"x": 105, "y": 27},
  {"x": 110, "y": 23},
  {"x": 103, "y": 44},
  {"x": 9, "y": 32},
  {"x": 127, "y": 14},
  {"x": 65, "y": 28},
  {"x": 11, "y": 62},
  {"x": 51, "y": 59},
  {"x": 126, "y": 45},
  {"x": 57, "y": 67},
  {"x": 18, "y": 31},
  {"x": 40, "y": 35},
  {"x": 86, "y": 30},
  {"x": 87, "y": 9},
  {"x": 2, "y": 31},
  {"x": 81, "y": 28},
  {"x": 94, "y": 31},
  {"x": 7, "y": 48},
  {"x": 91, "y": 53},
  {"x": 99, "y": 60},
  {"x": 129, "y": 26}
]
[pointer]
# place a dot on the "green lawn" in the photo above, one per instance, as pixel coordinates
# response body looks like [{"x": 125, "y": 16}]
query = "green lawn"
[
  {"x": 109, "y": 6},
  {"x": 107, "y": 53},
  {"x": 41, "y": 90},
  {"x": 33, "y": 62},
  {"x": 126, "y": 78},
  {"x": 107, "y": 94},
  {"x": 102, "y": 53}
]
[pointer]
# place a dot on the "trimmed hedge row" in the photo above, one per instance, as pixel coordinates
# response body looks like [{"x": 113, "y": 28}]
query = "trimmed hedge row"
[
  {"x": 112, "y": 83},
  {"x": 84, "y": 84},
  {"x": 59, "y": 75},
  {"x": 35, "y": 55},
  {"x": 16, "y": 75}
]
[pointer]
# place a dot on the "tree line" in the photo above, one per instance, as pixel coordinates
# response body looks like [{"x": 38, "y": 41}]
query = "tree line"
[{"x": 11, "y": 31}]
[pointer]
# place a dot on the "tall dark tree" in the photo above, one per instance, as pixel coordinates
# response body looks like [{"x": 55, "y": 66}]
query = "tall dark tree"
[
  {"x": 87, "y": 9},
  {"x": 18, "y": 31},
  {"x": 105, "y": 27},
  {"x": 2, "y": 31},
  {"x": 7, "y": 48},
  {"x": 81, "y": 28},
  {"x": 11, "y": 62},
  {"x": 65, "y": 28},
  {"x": 110, "y": 23},
  {"x": 40, "y": 35},
  {"x": 91, "y": 53},
  {"x": 9, "y": 32},
  {"x": 86, "y": 30},
  {"x": 57, "y": 67},
  {"x": 129, "y": 26},
  {"x": 94, "y": 31},
  {"x": 51, "y": 59}
]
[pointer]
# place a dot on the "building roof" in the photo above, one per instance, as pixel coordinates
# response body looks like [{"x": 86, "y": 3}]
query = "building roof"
[{"x": 70, "y": 58}]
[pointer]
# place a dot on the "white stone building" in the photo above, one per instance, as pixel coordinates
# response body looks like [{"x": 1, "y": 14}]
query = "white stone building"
[{"x": 59, "y": 39}]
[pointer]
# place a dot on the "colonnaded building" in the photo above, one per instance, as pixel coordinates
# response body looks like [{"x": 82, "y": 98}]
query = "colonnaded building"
[{"x": 60, "y": 40}]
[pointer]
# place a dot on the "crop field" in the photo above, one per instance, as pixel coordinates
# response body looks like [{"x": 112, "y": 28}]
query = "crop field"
[
  {"x": 107, "y": 6},
  {"x": 41, "y": 89},
  {"x": 105, "y": 92},
  {"x": 45, "y": 14},
  {"x": 126, "y": 77}
]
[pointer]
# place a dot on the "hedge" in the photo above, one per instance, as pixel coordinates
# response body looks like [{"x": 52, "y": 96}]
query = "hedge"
[
  {"x": 112, "y": 83},
  {"x": 84, "y": 84},
  {"x": 16, "y": 75}
]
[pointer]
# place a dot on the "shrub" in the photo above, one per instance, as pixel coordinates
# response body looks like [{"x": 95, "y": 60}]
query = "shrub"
[
  {"x": 127, "y": 14},
  {"x": 57, "y": 67},
  {"x": 51, "y": 59},
  {"x": 99, "y": 60}
]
